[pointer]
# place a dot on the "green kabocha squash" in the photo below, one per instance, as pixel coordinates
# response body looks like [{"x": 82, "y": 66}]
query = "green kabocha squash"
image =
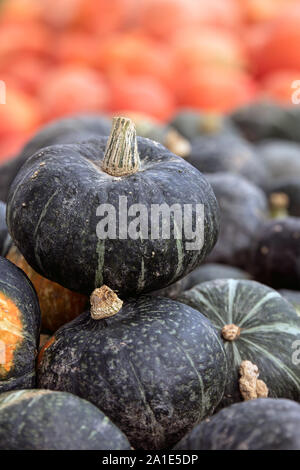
[
  {"x": 276, "y": 253},
  {"x": 293, "y": 297},
  {"x": 19, "y": 328},
  {"x": 89, "y": 214},
  {"x": 155, "y": 369},
  {"x": 261, "y": 120},
  {"x": 228, "y": 152},
  {"x": 46, "y": 420},
  {"x": 257, "y": 325},
  {"x": 281, "y": 158},
  {"x": 212, "y": 271},
  {"x": 262, "y": 424},
  {"x": 243, "y": 209},
  {"x": 192, "y": 124},
  {"x": 5, "y": 239},
  {"x": 60, "y": 131}
]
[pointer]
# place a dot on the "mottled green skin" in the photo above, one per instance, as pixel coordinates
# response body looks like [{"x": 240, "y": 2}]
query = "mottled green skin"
[
  {"x": 155, "y": 369},
  {"x": 46, "y": 420},
  {"x": 269, "y": 328},
  {"x": 5, "y": 239},
  {"x": 275, "y": 256},
  {"x": 293, "y": 297},
  {"x": 15, "y": 285},
  {"x": 52, "y": 217},
  {"x": 61, "y": 131},
  {"x": 243, "y": 209},
  {"x": 191, "y": 124},
  {"x": 212, "y": 271},
  {"x": 262, "y": 424},
  {"x": 228, "y": 152}
]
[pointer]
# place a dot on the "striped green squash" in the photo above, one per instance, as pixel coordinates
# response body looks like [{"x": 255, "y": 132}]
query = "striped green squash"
[{"x": 268, "y": 335}]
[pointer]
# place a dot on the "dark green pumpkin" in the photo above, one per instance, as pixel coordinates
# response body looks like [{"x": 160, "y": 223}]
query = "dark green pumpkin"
[
  {"x": 212, "y": 271},
  {"x": 262, "y": 120},
  {"x": 243, "y": 208},
  {"x": 227, "y": 152},
  {"x": 46, "y": 420},
  {"x": 53, "y": 203},
  {"x": 269, "y": 328},
  {"x": 19, "y": 328},
  {"x": 281, "y": 158},
  {"x": 191, "y": 124},
  {"x": 262, "y": 424},
  {"x": 155, "y": 369},
  {"x": 5, "y": 239},
  {"x": 276, "y": 253},
  {"x": 293, "y": 297},
  {"x": 60, "y": 131}
]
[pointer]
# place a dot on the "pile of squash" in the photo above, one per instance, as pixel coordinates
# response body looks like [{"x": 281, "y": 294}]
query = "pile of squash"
[
  {"x": 133, "y": 339},
  {"x": 60, "y": 57}
]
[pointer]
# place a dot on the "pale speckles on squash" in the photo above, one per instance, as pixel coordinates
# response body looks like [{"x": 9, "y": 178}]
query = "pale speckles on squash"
[{"x": 11, "y": 334}]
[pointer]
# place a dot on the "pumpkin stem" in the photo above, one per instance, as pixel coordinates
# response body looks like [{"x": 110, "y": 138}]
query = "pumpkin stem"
[
  {"x": 121, "y": 156},
  {"x": 231, "y": 332},
  {"x": 279, "y": 203},
  {"x": 250, "y": 386},
  {"x": 177, "y": 144},
  {"x": 104, "y": 303}
]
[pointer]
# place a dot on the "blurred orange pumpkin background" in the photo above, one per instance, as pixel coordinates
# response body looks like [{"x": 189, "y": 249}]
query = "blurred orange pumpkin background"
[{"x": 60, "y": 57}]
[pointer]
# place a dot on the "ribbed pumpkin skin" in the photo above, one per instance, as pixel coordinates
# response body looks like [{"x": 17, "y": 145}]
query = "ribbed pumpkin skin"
[
  {"x": 5, "y": 240},
  {"x": 212, "y": 271},
  {"x": 155, "y": 369},
  {"x": 52, "y": 217},
  {"x": 243, "y": 208},
  {"x": 58, "y": 305},
  {"x": 18, "y": 371},
  {"x": 60, "y": 131},
  {"x": 293, "y": 297},
  {"x": 269, "y": 328},
  {"x": 262, "y": 424},
  {"x": 45, "y": 420}
]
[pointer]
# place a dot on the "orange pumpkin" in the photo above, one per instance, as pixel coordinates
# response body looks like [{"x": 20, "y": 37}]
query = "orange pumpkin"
[
  {"x": 277, "y": 86},
  {"x": 70, "y": 90},
  {"x": 143, "y": 94},
  {"x": 216, "y": 89},
  {"x": 281, "y": 46},
  {"x": 209, "y": 46},
  {"x": 58, "y": 305},
  {"x": 135, "y": 54},
  {"x": 20, "y": 114},
  {"x": 31, "y": 38}
]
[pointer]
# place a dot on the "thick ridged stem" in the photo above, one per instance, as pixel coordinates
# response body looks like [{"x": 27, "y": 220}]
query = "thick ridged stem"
[{"x": 121, "y": 154}]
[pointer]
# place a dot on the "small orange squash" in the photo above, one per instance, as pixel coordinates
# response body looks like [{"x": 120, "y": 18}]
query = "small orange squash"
[{"x": 58, "y": 305}]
